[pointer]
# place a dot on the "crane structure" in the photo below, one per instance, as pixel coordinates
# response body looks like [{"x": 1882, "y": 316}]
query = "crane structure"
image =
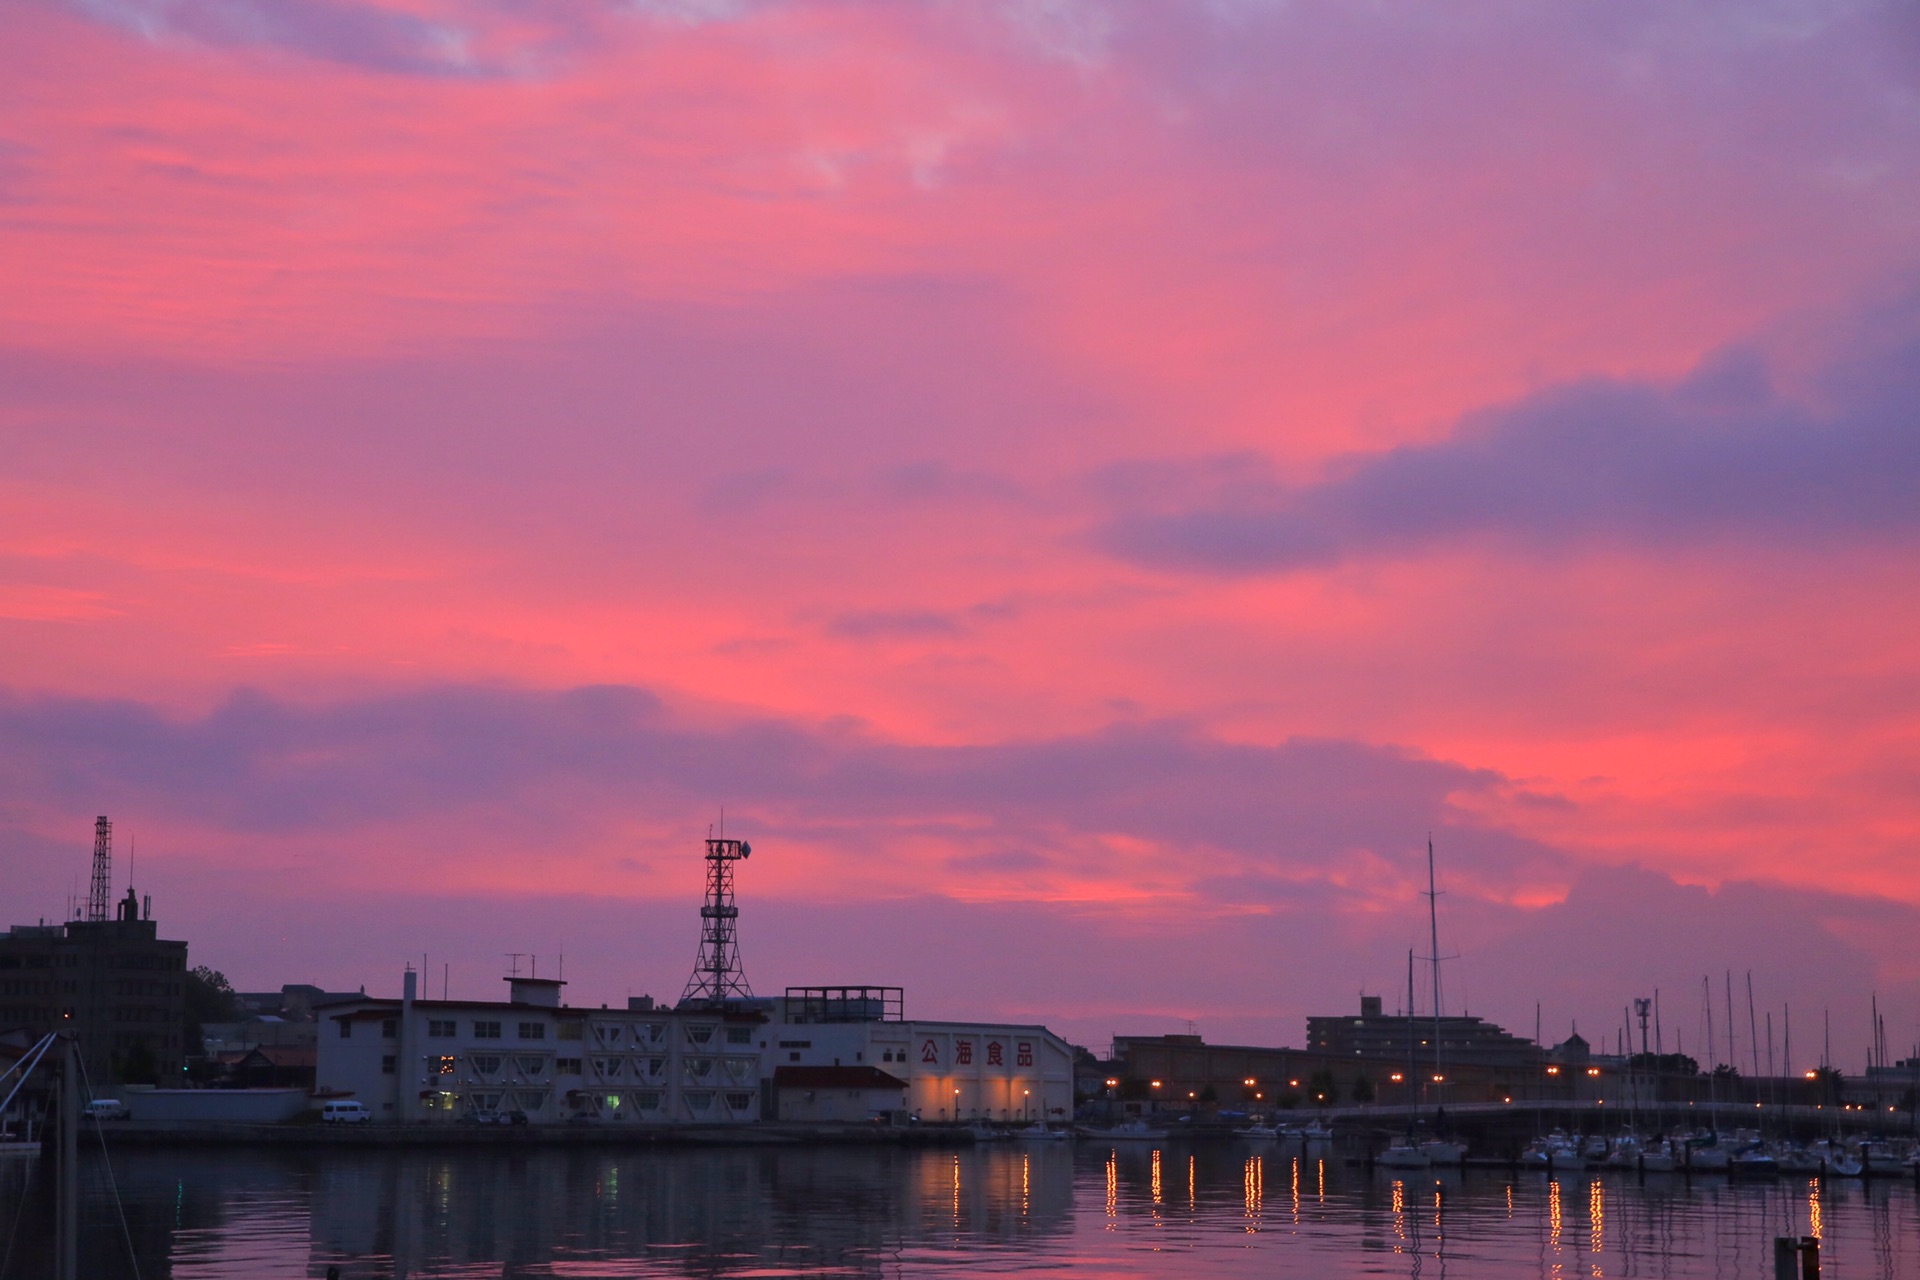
[{"x": 717, "y": 974}]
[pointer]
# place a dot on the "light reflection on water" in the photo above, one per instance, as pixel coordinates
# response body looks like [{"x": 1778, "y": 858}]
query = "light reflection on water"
[{"x": 860, "y": 1211}]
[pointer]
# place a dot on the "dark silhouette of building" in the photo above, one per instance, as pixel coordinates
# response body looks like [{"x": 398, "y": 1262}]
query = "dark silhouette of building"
[
  {"x": 1393, "y": 1037},
  {"x": 115, "y": 983}
]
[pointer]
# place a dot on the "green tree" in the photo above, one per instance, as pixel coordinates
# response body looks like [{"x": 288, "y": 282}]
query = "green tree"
[
  {"x": 209, "y": 997},
  {"x": 1362, "y": 1089},
  {"x": 1322, "y": 1089}
]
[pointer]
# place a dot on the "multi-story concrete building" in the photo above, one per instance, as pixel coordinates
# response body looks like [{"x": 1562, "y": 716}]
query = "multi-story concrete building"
[
  {"x": 116, "y": 984},
  {"x": 530, "y": 1055},
  {"x": 952, "y": 1070},
  {"x": 1462, "y": 1041}
]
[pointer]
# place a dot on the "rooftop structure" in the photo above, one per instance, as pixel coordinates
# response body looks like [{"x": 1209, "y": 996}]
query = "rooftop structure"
[{"x": 845, "y": 1004}]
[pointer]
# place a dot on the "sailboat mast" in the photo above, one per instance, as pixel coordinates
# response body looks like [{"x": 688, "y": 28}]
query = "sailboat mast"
[
  {"x": 1732, "y": 1060},
  {"x": 1410, "y": 1038},
  {"x": 1433, "y": 930},
  {"x": 1706, "y": 988}
]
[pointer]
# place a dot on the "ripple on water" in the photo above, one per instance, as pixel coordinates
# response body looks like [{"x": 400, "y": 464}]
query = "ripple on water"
[{"x": 819, "y": 1212}]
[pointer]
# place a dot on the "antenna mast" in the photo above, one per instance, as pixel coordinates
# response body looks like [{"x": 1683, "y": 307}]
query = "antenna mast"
[
  {"x": 100, "y": 895},
  {"x": 717, "y": 973}
]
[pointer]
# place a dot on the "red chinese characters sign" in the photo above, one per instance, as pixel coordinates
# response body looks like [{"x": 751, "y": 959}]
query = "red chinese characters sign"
[
  {"x": 1023, "y": 1056},
  {"x": 928, "y": 1053},
  {"x": 963, "y": 1052},
  {"x": 994, "y": 1056}
]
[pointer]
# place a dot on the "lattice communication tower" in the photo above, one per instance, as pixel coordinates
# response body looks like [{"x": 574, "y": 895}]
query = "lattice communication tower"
[
  {"x": 100, "y": 894},
  {"x": 717, "y": 975}
]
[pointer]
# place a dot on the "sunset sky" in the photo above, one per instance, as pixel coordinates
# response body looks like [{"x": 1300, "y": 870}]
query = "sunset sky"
[{"x": 1088, "y": 486}]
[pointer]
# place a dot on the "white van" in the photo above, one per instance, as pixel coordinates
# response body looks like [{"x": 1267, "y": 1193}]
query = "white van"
[
  {"x": 105, "y": 1109},
  {"x": 345, "y": 1112}
]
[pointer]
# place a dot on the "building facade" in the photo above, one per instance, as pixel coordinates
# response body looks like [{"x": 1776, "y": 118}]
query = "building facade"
[
  {"x": 953, "y": 1071},
  {"x": 441, "y": 1061},
  {"x": 115, "y": 984}
]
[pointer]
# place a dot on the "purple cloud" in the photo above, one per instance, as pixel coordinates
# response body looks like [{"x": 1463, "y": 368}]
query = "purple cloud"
[{"x": 1719, "y": 455}]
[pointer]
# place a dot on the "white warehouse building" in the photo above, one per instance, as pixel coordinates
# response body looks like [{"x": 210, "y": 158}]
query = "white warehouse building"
[
  {"x": 414, "y": 1060},
  {"x": 440, "y": 1061},
  {"x": 954, "y": 1071}
]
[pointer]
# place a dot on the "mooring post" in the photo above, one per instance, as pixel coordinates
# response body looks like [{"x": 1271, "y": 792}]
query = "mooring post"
[{"x": 67, "y": 1215}]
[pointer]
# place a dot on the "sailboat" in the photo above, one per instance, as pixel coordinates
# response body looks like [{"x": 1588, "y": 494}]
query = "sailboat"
[{"x": 1437, "y": 1150}]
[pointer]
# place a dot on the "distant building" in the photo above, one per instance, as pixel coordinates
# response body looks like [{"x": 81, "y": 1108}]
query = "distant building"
[
  {"x": 529, "y": 1055},
  {"x": 953, "y": 1071},
  {"x": 1462, "y": 1041},
  {"x": 115, "y": 983}
]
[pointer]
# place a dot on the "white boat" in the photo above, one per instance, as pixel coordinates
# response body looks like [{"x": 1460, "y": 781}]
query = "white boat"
[
  {"x": 1753, "y": 1162},
  {"x": 1556, "y": 1151},
  {"x": 1709, "y": 1157},
  {"x": 1799, "y": 1162},
  {"x": 1317, "y": 1132},
  {"x": 1625, "y": 1154},
  {"x": 986, "y": 1133},
  {"x": 1402, "y": 1155},
  {"x": 1441, "y": 1152},
  {"x": 1657, "y": 1158},
  {"x": 1258, "y": 1132},
  {"x": 1836, "y": 1161},
  {"x": 1882, "y": 1159},
  {"x": 1041, "y": 1133},
  {"x": 1130, "y": 1131}
]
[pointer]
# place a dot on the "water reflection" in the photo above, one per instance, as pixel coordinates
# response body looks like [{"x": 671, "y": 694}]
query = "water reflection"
[{"x": 888, "y": 1212}]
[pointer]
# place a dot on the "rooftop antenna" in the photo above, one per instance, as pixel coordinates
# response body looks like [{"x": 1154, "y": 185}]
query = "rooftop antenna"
[
  {"x": 515, "y": 957},
  {"x": 717, "y": 973},
  {"x": 100, "y": 894}
]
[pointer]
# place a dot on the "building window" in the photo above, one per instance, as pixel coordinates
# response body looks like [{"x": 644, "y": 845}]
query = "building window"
[
  {"x": 566, "y": 1066},
  {"x": 572, "y": 1029},
  {"x": 796, "y": 1044},
  {"x": 346, "y": 1029},
  {"x": 739, "y": 1035},
  {"x": 793, "y": 1057},
  {"x": 533, "y": 1031},
  {"x": 442, "y": 1065},
  {"x": 739, "y": 1101},
  {"x": 390, "y": 1028},
  {"x": 442, "y": 1028},
  {"x": 486, "y": 1031},
  {"x": 485, "y": 1063},
  {"x": 387, "y": 1065}
]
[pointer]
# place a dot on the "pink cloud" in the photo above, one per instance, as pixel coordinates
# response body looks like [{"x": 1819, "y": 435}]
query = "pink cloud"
[{"x": 434, "y": 368}]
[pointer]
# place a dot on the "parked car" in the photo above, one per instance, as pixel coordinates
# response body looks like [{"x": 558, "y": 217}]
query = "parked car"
[
  {"x": 106, "y": 1109},
  {"x": 345, "y": 1112}
]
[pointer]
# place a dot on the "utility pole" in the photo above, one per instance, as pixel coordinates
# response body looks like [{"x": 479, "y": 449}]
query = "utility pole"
[{"x": 67, "y": 1215}]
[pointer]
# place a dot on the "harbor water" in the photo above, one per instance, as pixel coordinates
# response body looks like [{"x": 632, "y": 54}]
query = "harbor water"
[{"x": 1138, "y": 1209}]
